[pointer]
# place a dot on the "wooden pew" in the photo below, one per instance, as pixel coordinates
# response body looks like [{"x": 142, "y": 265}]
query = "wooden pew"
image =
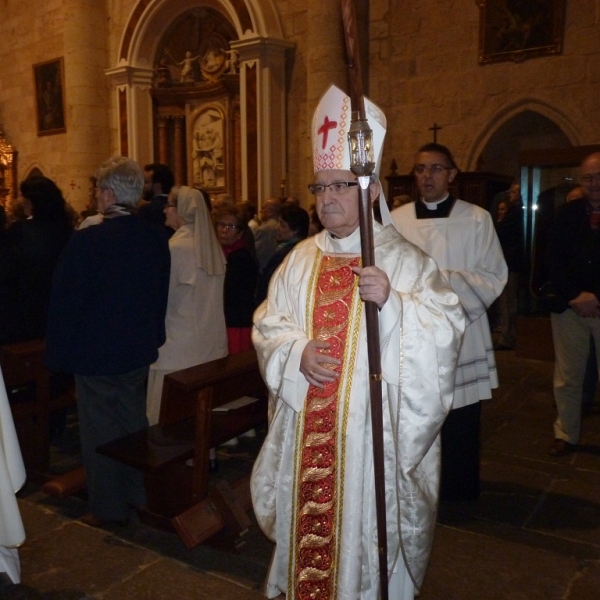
[
  {"x": 174, "y": 454},
  {"x": 28, "y": 386}
]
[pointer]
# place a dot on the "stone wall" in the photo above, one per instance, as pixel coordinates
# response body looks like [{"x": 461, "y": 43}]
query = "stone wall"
[
  {"x": 423, "y": 69},
  {"x": 34, "y": 32}
]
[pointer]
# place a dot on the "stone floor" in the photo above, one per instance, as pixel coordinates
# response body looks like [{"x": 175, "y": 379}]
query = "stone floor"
[{"x": 533, "y": 534}]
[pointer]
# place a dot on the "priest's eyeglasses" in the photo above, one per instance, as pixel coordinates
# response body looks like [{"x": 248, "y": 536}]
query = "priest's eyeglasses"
[
  {"x": 338, "y": 187},
  {"x": 433, "y": 169}
]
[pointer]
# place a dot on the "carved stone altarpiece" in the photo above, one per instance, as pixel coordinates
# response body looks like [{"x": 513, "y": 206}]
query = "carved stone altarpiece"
[{"x": 196, "y": 101}]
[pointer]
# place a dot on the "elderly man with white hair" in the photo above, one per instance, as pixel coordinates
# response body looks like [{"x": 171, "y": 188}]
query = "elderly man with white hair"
[
  {"x": 105, "y": 324},
  {"x": 313, "y": 483}
]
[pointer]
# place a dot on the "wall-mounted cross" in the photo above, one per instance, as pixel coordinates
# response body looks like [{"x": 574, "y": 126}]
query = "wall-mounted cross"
[{"x": 435, "y": 129}]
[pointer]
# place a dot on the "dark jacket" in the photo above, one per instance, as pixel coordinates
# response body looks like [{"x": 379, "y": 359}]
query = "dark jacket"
[
  {"x": 9, "y": 297},
  {"x": 109, "y": 299},
  {"x": 35, "y": 247},
  {"x": 282, "y": 251},
  {"x": 154, "y": 212},
  {"x": 240, "y": 284},
  {"x": 573, "y": 256},
  {"x": 510, "y": 235}
]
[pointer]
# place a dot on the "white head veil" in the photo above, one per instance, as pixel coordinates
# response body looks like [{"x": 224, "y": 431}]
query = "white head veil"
[{"x": 192, "y": 209}]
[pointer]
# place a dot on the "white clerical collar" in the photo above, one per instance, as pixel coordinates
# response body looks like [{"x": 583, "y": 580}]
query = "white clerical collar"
[
  {"x": 348, "y": 245},
  {"x": 433, "y": 205}
]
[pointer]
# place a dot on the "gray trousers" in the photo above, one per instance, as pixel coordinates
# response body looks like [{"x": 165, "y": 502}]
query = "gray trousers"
[
  {"x": 571, "y": 337},
  {"x": 110, "y": 407}
]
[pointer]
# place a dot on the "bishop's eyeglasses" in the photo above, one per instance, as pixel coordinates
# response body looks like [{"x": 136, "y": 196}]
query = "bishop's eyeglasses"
[{"x": 338, "y": 187}]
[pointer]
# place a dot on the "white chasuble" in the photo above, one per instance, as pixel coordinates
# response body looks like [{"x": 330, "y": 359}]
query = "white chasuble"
[{"x": 313, "y": 484}]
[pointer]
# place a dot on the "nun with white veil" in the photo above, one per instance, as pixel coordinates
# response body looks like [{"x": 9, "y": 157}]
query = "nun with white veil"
[
  {"x": 195, "y": 320},
  {"x": 12, "y": 478}
]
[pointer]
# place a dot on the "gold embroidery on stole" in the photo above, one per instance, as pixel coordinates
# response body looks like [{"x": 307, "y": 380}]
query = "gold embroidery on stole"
[{"x": 319, "y": 472}]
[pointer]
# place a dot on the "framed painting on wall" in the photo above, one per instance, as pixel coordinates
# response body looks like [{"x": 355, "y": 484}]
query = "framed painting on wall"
[
  {"x": 520, "y": 29},
  {"x": 49, "y": 82}
]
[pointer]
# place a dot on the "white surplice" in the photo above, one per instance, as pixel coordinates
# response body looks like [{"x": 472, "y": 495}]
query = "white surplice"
[
  {"x": 466, "y": 248},
  {"x": 12, "y": 478},
  {"x": 195, "y": 321},
  {"x": 420, "y": 330}
]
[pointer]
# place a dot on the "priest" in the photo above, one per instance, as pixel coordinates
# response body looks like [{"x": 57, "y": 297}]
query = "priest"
[
  {"x": 461, "y": 238},
  {"x": 313, "y": 484}
]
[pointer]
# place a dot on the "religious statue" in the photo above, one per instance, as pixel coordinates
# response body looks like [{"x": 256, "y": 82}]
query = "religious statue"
[
  {"x": 233, "y": 62},
  {"x": 187, "y": 72},
  {"x": 163, "y": 74}
]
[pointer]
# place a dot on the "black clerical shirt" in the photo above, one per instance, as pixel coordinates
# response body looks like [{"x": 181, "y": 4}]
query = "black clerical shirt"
[{"x": 442, "y": 209}]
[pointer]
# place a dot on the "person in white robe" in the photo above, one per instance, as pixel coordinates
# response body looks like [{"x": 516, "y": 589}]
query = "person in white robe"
[
  {"x": 461, "y": 238},
  {"x": 313, "y": 484},
  {"x": 12, "y": 479},
  {"x": 195, "y": 320}
]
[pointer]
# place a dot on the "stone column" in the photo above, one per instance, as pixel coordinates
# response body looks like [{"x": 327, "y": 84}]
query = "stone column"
[
  {"x": 135, "y": 114},
  {"x": 86, "y": 96},
  {"x": 163, "y": 141},
  {"x": 263, "y": 98},
  {"x": 180, "y": 166},
  {"x": 326, "y": 50}
]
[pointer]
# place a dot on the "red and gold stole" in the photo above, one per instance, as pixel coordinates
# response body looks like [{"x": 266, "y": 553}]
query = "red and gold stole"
[{"x": 318, "y": 501}]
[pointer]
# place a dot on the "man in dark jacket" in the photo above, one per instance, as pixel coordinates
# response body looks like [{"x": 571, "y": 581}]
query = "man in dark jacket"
[
  {"x": 574, "y": 268},
  {"x": 106, "y": 322},
  {"x": 158, "y": 181},
  {"x": 508, "y": 222}
]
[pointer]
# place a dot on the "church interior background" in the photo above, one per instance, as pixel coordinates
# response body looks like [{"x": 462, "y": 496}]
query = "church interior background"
[{"x": 223, "y": 91}]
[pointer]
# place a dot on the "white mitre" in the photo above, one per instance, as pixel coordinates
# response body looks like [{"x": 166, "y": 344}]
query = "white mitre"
[{"x": 330, "y": 126}]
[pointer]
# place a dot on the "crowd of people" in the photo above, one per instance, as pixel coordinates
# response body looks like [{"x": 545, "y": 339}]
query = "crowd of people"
[
  {"x": 151, "y": 278},
  {"x": 156, "y": 278}
]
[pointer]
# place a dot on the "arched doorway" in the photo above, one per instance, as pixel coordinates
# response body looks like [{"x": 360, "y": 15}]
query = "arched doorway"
[
  {"x": 525, "y": 127},
  {"x": 526, "y": 124},
  {"x": 525, "y": 131}
]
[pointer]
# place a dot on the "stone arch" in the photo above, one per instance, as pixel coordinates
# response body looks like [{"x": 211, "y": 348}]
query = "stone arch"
[
  {"x": 526, "y": 124},
  {"x": 33, "y": 170},
  {"x": 149, "y": 21}
]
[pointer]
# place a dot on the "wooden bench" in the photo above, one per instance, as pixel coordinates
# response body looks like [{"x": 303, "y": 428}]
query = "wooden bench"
[
  {"x": 28, "y": 385},
  {"x": 174, "y": 454}
]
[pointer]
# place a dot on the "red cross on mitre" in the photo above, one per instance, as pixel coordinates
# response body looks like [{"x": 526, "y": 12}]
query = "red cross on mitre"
[{"x": 325, "y": 128}]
